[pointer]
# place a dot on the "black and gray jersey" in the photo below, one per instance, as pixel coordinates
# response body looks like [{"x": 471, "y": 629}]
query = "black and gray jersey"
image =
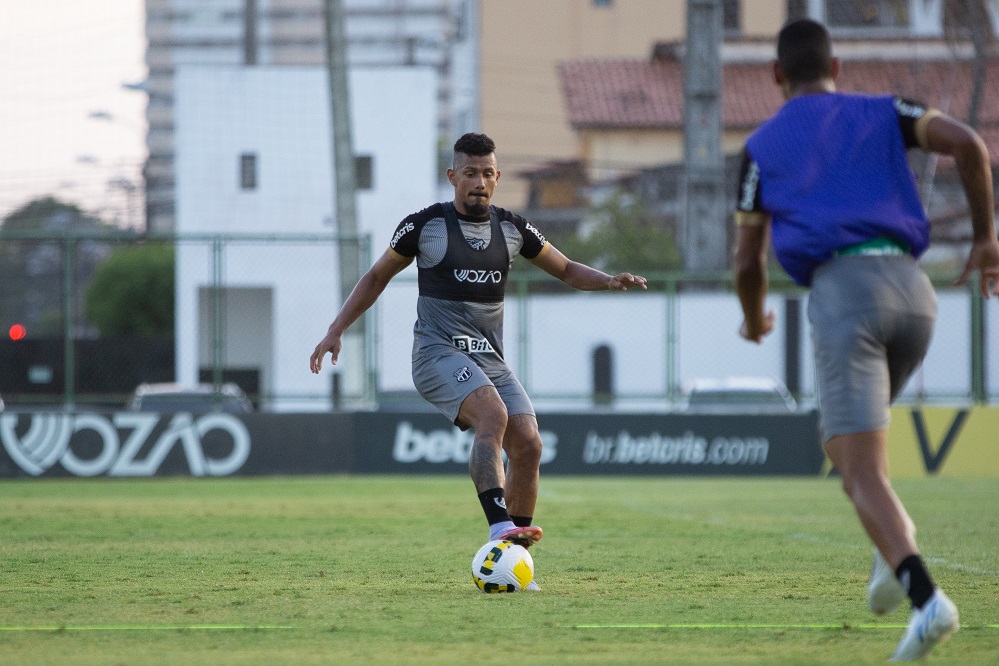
[{"x": 462, "y": 266}]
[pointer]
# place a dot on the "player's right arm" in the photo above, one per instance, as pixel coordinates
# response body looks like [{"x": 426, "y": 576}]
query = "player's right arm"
[
  {"x": 942, "y": 134},
  {"x": 750, "y": 261},
  {"x": 365, "y": 293}
]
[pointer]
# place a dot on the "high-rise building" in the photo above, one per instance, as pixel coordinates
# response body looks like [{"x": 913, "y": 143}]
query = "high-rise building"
[{"x": 380, "y": 33}]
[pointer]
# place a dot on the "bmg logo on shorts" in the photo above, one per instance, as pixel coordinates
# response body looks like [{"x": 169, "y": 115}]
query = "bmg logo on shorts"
[{"x": 471, "y": 345}]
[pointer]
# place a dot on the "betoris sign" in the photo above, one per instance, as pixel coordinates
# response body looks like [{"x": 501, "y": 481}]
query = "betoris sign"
[{"x": 681, "y": 444}]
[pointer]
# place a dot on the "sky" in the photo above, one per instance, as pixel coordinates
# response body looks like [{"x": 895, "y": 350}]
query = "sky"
[{"x": 61, "y": 62}]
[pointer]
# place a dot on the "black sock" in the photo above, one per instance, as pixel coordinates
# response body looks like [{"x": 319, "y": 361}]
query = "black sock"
[
  {"x": 494, "y": 505},
  {"x": 522, "y": 521},
  {"x": 915, "y": 579}
]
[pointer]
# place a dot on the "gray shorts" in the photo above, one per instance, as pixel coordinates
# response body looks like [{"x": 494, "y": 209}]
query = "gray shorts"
[
  {"x": 445, "y": 376},
  {"x": 872, "y": 319}
]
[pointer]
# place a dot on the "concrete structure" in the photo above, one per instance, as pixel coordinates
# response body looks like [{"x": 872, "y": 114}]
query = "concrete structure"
[
  {"x": 253, "y": 157},
  {"x": 291, "y": 33}
]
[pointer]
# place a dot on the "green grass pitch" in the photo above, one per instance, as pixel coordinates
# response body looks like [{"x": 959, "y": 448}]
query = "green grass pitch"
[{"x": 326, "y": 570}]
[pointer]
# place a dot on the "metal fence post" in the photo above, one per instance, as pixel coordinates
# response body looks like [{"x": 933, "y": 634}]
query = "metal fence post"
[
  {"x": 979, "y": 391},
  {"x": 218, "y": 332},
  {"x": 69, "y": 357}
]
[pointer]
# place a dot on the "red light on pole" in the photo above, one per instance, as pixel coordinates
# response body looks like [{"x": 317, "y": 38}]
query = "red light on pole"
[{"x": 17, "y": 332}]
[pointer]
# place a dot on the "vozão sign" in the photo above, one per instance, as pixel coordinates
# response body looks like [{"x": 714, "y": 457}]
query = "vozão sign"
[{"x": 49, "y": 437}]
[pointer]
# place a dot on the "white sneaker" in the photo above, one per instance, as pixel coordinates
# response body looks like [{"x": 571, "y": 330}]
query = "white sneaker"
[
  {"x": 533, "y": 586},
  {"x": 929, "y": 625},
  {"x": 884, "y": 591}
]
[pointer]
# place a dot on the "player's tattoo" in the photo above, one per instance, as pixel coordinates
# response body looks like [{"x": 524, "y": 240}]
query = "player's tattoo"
[{"x": 485, "y": 462}]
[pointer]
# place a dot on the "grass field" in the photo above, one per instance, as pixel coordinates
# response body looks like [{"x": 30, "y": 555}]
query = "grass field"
[{"x": 328, "y": 570}]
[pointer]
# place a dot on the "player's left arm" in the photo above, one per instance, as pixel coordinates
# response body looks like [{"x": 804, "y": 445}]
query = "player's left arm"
[
  {"x": 583, "y": 277},
  {"x": 942, "y": 134}
]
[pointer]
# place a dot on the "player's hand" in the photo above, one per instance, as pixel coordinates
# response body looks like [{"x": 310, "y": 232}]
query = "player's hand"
[
  {"x": 625, "y": 281},
  {"x": 332, "y": 344},
  {"x": 760, "y": 328},
  {"x": 984, "y": 257}
]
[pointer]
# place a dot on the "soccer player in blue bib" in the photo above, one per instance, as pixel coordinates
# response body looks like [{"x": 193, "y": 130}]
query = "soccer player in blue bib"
[
  {"x": 827, "y": 179},
  {"x": 463, "y": 250}
]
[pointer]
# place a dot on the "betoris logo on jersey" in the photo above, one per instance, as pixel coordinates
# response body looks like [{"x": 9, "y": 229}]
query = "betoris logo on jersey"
[
  {"x": 471, "y": 345},
  {"x": 400, "y": 232},
  {"x": 492, "y": 277},
  {"x": 534, "y": 230}
]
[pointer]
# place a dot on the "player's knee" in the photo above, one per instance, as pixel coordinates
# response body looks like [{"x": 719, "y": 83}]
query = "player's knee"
[
  {"x": 523, "y": 441},
  {"x": 859, "y": 481},
  {"x": 492, "y": 421},
  {"x": 526, "y": 452}
]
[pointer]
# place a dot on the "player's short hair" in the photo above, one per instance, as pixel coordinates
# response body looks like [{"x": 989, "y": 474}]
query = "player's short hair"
[
  {"x": 476, "y": 145},
  {"x": 804, "y": 51}
]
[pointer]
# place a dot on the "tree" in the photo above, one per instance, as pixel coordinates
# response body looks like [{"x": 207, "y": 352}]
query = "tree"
[
  {"x": 133, "y": 291},
  {"x": 33, "y": 272},
  {"x": 626, "y": 238}
]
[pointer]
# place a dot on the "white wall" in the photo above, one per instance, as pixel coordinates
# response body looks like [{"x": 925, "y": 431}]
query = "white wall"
[{"x": 281, "y": 115}]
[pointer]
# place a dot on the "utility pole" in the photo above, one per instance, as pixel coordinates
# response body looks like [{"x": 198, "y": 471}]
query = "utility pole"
[
  {"x": 345, "y": 207},
  {"x": 705, "y": 245}
]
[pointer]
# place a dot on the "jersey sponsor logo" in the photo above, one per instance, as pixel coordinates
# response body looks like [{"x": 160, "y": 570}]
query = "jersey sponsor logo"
[
  {"x": 534, "y": 230},
  {"x": 49, "y": 439},
  {"x": 463, "y": 375},
  {"x": 413, "y": 445},
  {"x": 908, "y": 109},
  {"x": 479, "y": 277},
  {"x": 471, "y": 345},
  {"x": 749, "y": 186},
  {"x": 400, "y": 232}
]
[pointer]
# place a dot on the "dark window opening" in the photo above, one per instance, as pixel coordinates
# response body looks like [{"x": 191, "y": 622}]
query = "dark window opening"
[
  {"x": 364, "y": 177},
  {"x": 248, "y": 171}
]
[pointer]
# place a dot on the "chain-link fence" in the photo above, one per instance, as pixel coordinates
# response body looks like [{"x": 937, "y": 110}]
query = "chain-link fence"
[{"x": 87, "y": 318}]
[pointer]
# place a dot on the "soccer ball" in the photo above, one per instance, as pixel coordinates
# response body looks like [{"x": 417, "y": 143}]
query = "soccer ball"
[{"x": 502, "y": 566}]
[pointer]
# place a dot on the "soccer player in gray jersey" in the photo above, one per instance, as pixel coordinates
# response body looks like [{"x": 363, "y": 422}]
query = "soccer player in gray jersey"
[
  {"x": 827, "y": 179},
  {"x": 463, "y": 251}
]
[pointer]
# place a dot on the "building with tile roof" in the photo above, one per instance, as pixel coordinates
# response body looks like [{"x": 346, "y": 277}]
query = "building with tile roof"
[{"x": 628, "y": 114}]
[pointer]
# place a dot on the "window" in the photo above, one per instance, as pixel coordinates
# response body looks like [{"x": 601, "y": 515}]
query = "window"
[
  {"x": 867, "y": 13},
  {"x": 248, "y": 171},
  {"x": 364, "y": 177}
]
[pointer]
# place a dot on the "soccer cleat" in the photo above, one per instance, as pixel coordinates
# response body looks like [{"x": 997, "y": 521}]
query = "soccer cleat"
[
  {"x": 929, "y": 625},
  {"x": 533, "y": 587},
  {"x": 884, "y": 591},
  {"x": 522, "y": 536}
]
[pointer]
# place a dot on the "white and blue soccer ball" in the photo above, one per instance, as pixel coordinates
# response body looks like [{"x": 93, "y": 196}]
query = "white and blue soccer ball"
[{"x": 502, "y": 566}]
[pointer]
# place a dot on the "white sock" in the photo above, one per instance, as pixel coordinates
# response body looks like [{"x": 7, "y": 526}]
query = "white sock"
[{"x": 496, "y": 529}]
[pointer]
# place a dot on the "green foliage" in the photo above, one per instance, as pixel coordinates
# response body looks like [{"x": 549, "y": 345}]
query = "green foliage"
[
  {"x": 50, "y": 214},
  {"x": 626, "y": 239},
  {"x": 375, "y": 570},
  {"x": 622, "y": 237},
  {"x": 32, "y": 272},
  {"x": 133, "y": 291}
]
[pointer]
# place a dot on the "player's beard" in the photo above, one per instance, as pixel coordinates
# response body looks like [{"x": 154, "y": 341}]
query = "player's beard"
[{"x": 477, "y": 207}]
